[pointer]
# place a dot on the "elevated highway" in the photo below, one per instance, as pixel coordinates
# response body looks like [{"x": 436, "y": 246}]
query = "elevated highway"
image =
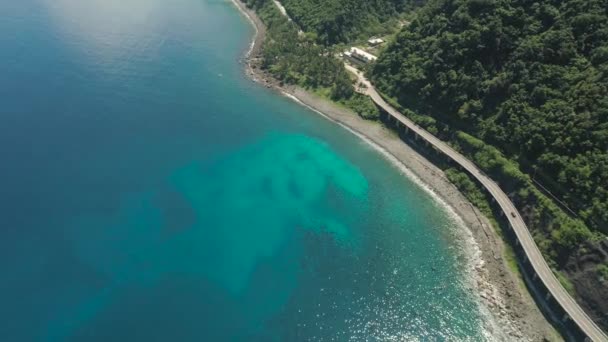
[{"x": 532, "y": 254}]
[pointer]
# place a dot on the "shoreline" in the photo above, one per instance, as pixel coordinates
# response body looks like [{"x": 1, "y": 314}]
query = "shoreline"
[{"x": 501, "y": 291}]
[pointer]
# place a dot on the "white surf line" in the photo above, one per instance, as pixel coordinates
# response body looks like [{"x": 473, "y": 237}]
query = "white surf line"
[
  {"x": 389, "y": 156},
  {"x": 252, "y": 22},
  {"x": 472, "y": 251}
]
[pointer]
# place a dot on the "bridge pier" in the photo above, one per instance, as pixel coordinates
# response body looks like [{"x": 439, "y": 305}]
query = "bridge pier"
[{"x": 548, "y": 296}]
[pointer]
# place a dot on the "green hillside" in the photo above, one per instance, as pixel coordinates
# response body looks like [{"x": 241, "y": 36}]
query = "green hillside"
[
  {"x": 527, "y": 77},
  {"x": 521, "y": 88},
  {"x": 339, "y": 21}
]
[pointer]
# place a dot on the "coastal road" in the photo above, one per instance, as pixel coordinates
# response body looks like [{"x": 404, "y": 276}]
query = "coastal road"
[
  {"x": 532, "y": 253},
  {"x": 285, "y": 14}
]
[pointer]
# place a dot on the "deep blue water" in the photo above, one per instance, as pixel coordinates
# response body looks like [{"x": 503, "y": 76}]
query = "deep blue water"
[{"x": 151, "y": 192}]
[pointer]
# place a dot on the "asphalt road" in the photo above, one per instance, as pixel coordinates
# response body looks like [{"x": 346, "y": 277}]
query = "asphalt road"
[{"x": 533, "y": 254}]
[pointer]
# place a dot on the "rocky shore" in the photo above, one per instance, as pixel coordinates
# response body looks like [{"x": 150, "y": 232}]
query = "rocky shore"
[{"x": 501, "y": 290}]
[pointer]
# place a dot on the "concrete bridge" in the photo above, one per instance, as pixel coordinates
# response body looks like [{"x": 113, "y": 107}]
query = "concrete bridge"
[{"x": 571, "y": 310}]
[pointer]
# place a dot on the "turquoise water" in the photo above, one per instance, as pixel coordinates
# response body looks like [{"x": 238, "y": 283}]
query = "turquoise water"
[{"x": 151, "y": 192}]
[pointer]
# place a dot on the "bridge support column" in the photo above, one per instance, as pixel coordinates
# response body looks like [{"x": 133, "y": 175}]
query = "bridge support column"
[
  {"x": 548, "y": 296},
  {"x": 535, "y": 276},
  {"x": 565, "y": 318}
]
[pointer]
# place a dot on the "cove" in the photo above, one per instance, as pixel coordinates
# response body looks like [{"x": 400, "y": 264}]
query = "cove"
[{"x": 151, "y": 192}]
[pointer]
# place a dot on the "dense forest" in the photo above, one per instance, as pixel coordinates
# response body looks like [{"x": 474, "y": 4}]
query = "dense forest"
[
  {"x": 521, "y": 88},
  {"x": 295, "y": 58},
  {"x": 339, "y": 21},
  {"x": 529, "y": 77}
]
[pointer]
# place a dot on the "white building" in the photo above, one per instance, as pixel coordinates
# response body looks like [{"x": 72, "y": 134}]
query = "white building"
[
  {"x": 375, "y": 41},
  {"x": 360, "y": 55}
]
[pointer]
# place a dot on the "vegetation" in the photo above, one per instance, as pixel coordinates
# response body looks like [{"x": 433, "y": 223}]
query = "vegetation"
[
  {"x": 560, "y": 234},
  {"x": 295, "y": 58},
  {"x": 602, "y": 270},
  {"x": 464, "y": 183},
  {"x": 520, "y": 87},
  {"x": 340, "y": 21},
  {"x": 566, "y": 283},
  {"x": 363, "y": 106}
]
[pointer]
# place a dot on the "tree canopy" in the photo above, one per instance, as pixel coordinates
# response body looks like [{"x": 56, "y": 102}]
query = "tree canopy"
[
  {"x": 528, "y": 77},
  {"x": 339, "y": 21},
  {"x": 295, "y": 58}
]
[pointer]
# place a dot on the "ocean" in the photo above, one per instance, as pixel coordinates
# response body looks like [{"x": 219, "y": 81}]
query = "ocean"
[{"x": 151, "y": 192}]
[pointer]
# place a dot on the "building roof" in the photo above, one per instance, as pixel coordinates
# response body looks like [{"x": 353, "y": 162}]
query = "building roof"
[
  {"x": 375, "y": 41},
  {"x": 356, "y": 52}
]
